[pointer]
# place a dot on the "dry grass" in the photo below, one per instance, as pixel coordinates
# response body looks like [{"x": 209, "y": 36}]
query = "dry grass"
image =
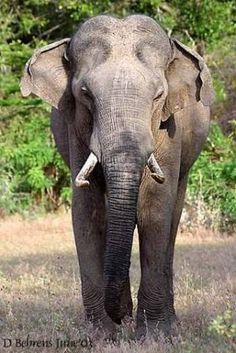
[{"x": 40, "y": 290}]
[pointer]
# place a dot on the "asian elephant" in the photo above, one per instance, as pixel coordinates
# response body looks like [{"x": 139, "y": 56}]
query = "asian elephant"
[{"x": 131, "y": 110}]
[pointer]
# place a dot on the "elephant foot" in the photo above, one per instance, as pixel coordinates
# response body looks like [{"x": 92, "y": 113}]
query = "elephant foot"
[
  {"x": 104, "y": 329},
  {"x": 107, "y": 331},
  {"x": 166, "y": 330}
]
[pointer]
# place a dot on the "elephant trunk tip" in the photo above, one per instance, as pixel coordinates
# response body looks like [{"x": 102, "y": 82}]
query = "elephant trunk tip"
[{"x": 112, "y": 303}]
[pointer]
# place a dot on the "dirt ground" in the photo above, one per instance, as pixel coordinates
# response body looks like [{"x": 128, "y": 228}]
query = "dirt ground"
[{"x": 40, "y": 296}]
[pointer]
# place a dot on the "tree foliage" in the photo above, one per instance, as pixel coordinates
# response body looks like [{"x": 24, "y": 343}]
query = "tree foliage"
[{"x": 31, "y": 171}]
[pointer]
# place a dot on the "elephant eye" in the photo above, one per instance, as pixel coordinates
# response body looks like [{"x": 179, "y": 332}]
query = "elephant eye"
[
  {"x": 86, "y": 97},
  {"x": 85, "y": 92},
  {"x": 158, "y": 96},
  {"x": 84, "y": 89}
]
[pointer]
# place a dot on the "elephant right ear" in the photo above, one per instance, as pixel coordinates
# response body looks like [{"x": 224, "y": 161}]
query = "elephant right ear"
[
  {"x": 189, "y": 80},
  {"x": 47, "y": 75}
]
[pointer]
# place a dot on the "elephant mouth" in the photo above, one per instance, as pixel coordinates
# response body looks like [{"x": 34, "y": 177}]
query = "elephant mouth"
[{"x": 81, "y": 180}]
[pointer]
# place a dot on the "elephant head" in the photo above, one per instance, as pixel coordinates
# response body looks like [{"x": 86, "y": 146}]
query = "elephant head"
[{"x": 121, "y": 78}]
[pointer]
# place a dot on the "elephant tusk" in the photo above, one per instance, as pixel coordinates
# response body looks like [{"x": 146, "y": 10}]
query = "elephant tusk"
[
  {"x": 81, "y": 179},
  {"x": 156, "y": 172}
]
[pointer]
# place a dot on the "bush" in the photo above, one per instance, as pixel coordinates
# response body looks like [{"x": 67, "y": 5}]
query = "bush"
[
  {"x": 224, "y": 325},
  {"x": 36, "y": 173},
  {"x": 213, "y": 176}
]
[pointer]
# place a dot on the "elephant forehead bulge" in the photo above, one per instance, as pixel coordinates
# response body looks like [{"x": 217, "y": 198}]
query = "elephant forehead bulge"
[{"x": 124, "y": 38}]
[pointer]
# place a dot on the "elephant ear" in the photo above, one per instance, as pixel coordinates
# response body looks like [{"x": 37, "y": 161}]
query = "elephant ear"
[
  {"x": 189, "y": 80},
  {"x": 47, "y": 75}
]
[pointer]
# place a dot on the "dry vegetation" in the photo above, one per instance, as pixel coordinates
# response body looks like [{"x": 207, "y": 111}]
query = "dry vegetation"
[{"x": 40, "y": 290}]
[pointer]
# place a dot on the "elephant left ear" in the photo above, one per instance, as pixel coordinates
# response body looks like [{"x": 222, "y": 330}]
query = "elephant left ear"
[
  {"x": 189, "y": 80},
  {"x": 47, "y": 75}
]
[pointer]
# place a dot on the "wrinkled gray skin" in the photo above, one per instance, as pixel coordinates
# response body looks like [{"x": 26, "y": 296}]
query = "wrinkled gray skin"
[{"x": 122, "y": 89}]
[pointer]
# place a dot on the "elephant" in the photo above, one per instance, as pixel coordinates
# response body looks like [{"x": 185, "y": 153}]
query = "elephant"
[{"x": 130, "y": 115}]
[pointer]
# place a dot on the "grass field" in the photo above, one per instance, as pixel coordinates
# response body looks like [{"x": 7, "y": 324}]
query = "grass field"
[{"x": 40, "y": 291}]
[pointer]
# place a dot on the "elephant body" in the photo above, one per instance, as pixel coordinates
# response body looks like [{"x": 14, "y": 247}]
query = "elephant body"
[{"x": 124, "y": 90}]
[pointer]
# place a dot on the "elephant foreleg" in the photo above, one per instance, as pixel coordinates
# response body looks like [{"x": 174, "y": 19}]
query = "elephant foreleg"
[
  {"x": 159, "y": 211},
  {"x": 88, "y": 214},
  {"x": 174, "y": 227}
]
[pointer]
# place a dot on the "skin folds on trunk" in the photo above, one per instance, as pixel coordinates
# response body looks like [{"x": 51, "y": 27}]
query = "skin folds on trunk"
[{"x": 123, "y": 179}]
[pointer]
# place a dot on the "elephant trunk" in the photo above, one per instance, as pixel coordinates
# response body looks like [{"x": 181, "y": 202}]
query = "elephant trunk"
[{"x": 122, "y": 180}]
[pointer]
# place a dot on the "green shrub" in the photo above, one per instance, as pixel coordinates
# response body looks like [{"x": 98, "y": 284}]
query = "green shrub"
[
  {"x": 35, "y": 171},
  {"x": 213, "y": 176},
  {"x": 205, "y": 20},
  {"x": 224, "y": 325}
]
